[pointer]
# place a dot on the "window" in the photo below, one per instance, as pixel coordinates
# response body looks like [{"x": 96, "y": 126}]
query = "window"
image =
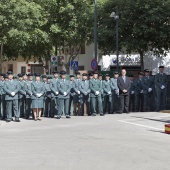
[
  {"x": 83, "y": 49},
  {"x": 23, "y": 70},
  {"x": 10, "y": 67}
]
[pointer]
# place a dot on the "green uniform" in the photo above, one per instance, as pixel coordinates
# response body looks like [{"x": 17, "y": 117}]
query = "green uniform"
[
  {"x": 72, "y": 93},
  {"x": 76, "y": 90},
  {"x": 64, "y": 86},
  {"x": 47, "y": 100},
  {"x": 38, "y": 91},
  {"x": 115, "y": 95},
  {"x": 138, "y": 95},
  {"x": 132, "y": 97},
  {"x": 85, "y": 96},
  {"x": 54, "y": 99},
  {"x": 28, "y": 91},
  {"x": 148, "y": 91},
  {"x": 107, "y": 95},
  {"x": 95, "y": 96},
  {"x": 10, "y": 87},
  {"x": 161, "y": 90},
  {"x": 21, "y": 97},
  {"x": 2, "y": 101}
]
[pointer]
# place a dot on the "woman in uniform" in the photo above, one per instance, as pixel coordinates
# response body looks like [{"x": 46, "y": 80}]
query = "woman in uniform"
[{"x": 38, "y": 91}]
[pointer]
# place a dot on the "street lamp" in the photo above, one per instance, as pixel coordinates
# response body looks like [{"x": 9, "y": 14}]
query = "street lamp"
[{"x": 116, "y": 17}]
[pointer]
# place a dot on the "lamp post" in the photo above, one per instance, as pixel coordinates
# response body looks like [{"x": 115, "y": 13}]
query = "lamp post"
[
  {"x": 95, "y": 29},
  {"x": 116, "y": 17}
]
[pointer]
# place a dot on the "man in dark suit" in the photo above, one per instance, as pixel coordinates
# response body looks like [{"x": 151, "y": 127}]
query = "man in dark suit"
[{"x": 124, "y": 85}]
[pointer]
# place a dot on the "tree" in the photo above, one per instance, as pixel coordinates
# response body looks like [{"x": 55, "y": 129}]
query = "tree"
[{"x": 144, "y": 25}]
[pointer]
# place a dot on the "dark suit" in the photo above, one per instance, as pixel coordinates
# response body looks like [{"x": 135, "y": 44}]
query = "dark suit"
[{"x": 124, "y": 97}]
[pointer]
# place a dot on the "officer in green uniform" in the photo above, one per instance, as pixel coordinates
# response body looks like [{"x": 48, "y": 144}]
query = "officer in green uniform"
[
  {"x": 54, "y": 89},
  {"x": 2, "y": 98},
  {"x": 21, "y": 96},
  {"x": 64, "y": 88},
  {"x": 107, "y": 94},
  {"x": 47, "y": 98},
  {"x": 148, "y": 84},
  {"x": 25, "y": 78},
  {"x": 161, "y": 89},
  {"x": 139, "y": 93},
  {"x": 72, "y": 93},
  {"x": 85, "y": 94},
  {"x": 77, "y": 99},
  {"x": 38, "y": 91},
  {"x": 11, "y": 88},
  {"x": 115, "y": 93},
  {"x": 95, "y": 95},
  {"x": 28, "y": 91},
  {"x": 132, "y": 94}
]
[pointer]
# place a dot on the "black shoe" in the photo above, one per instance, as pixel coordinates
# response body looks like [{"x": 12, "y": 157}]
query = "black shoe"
[
  {"x": 8, "y": 121},
  {"x": 93, "y": 114},
  {"x": 68, "y": 117},
  {"x": 58, "y": 117},
  {"x": 39, "y": 119},
  {"x": 119, "y": 112},
  {"x": 127, "y": 112},
  {"x": 35, "y": 119},
  {"x": 101, "y": 114},
  {"x": 17, "y": 120}
]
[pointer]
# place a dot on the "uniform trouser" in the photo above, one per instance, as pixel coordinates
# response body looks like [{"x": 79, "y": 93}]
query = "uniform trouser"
[
  {"x": 70, "y": 103},
  {"x": 93, "y": 104},
  {"x": 124, "y": 103},
  {"x": 85, "y": 100},
  {"x": 63, "y": 103},
  {"x": 54, "y": 106},
  {"x": 132, "y": 102},
  {"x": 21, "y": 107},
  {"x": 28, "y": 107},
  {"x": 107, "y": 103},
  {"x": 12, "y": 105},
  {"x": 149, "y": 100},
  {"x": 47, "y": 108},
  {"x": 115, "y": 103},
  {"x": 139, "y": 102},
  {"x": 2, "y": 106},
  {"x": 161, "y": 100}
]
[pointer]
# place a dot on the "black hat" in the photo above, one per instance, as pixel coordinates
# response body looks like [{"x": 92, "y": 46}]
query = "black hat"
[
  {"x": 44, "y": 76},
  {"x": 49, "y": 77},
  {"x": 71, "y": 75},
  {"x": 37, "y": 75},
  {"x": 55, "y": 72},
  {"x": 62, "y": 72},
  {"x": 146, "y": 70},
  {"x": 78, "y": 73},
  {"x": 116, "y": 72},
  {"x": 140, "y": 73},
  {"x": 84, "y": 74},
  {"x": 9, "y": 72},
  {"x": 95, "y": 72},
  {"x": 131, "y": 75},
  {"x": 24, "y": 74},
  {"x": 107, "y": 75},
  {"x": 161, "y": 67},
  {"x": 2, "y": 74},
  {"x": 100, "y": 75},
  {"x": 15, "y": 77},
  {"x": 90, "y": 74},
  {"x": 30, "y": 74},
  {"x": 20, "y": 75}
]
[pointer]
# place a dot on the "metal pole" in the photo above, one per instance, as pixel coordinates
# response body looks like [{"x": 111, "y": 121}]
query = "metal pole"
[
  {"x": 95, "y": 29},
  {"x": 117, "y": 43}
]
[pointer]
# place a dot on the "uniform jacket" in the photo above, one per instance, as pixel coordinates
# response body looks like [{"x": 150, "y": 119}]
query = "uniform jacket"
[
  {"x": 9, "y": 87},
  {"x": 113, "y": 85},
  {"x": 148, "y": 83},
  {"x": 95, "y": 85},
  {"x": 64, "y": 86},
  {"x": 48, "y": 92},
  {"x": 37, "y": 88},
  {"x": 22, "y": 92},
  {"x": 2, "y": 87},
  {"x": 76, "y": 85},
  {"x": 138, "y": 86},
  {"x": 28, "y": 88},
  {"x": 84, "y": 87},
  {"x": 161, "y": 79},
  {"x": 106, "y": 85},
  {"x": 54, "y": 86}
]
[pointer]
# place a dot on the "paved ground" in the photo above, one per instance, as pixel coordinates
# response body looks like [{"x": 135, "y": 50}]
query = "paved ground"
[{"x": 115, "y": 142}]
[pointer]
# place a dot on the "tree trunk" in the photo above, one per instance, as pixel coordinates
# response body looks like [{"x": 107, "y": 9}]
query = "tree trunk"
[
  {"x": 1, "y": 57},
  {"x": 141, "y": 60}
]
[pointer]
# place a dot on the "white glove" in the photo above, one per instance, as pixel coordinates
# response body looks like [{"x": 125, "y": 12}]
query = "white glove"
[
  {"x": 109, "y": 92},
  {"x": 65, "y": 94},
  {"x": 97, "y": 93},
  {"x": 31, "y": 94},
  {"x": 13, "y": 94},
  {"x": 38, "y": 95},
  {"x": 85, "y": 93},
  {"x": 117, "y": 92},
  {"x": 78, "y": 92},
  {"x": 132, "y": 92},
  {"x": 162, "y": 87},
  {"x": 150, "y": 89},
  {"x": 141, "y": 91},
  {"x": 56, "y": 92}
]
